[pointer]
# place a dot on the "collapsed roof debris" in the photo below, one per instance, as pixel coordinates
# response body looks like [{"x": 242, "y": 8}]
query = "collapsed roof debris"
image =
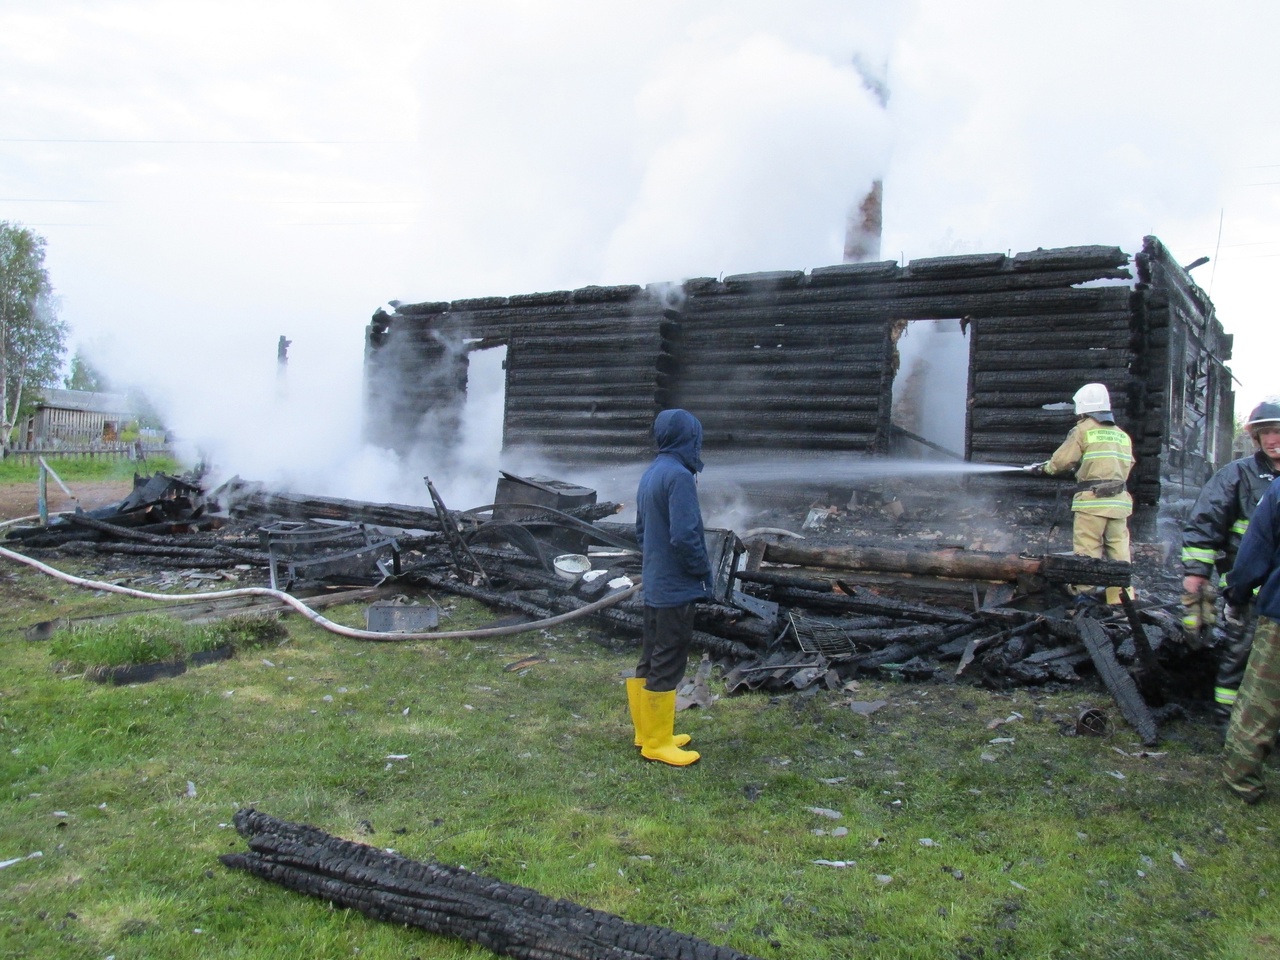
[{"x": 786, "y": 616}]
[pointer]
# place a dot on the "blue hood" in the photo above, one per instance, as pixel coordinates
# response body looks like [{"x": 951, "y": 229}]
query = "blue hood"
[{"x": 679, "y": 433}]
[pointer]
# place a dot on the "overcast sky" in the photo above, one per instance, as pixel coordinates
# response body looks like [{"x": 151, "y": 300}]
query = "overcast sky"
[{"x": 211, "y": 176}]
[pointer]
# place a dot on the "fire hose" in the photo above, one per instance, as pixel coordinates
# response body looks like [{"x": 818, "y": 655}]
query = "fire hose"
[{"x": 302, "y": 608}]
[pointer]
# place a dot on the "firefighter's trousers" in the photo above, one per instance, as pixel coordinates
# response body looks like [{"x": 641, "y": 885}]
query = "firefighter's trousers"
[
  {"x": 1099, "y": 537},
  {"x": 1233, "y": 640}
]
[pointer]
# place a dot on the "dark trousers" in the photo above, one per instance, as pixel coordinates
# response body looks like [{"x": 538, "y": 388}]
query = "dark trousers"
[
  {"x": 1234, "y": 641},
  {"x": 668, "y": 631}
]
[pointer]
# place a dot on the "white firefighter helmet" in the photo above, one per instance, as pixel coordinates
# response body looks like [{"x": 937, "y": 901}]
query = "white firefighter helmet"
[{"x": 1092, "y": 398}]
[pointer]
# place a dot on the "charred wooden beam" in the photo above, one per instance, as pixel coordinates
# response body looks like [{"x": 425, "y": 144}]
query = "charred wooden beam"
[
  {"x": 963, "y": 564},
  {"x": 204, "y": 543},
  {"x": 259, "y": 503},
  {"x": 201, "y": 559},
  {"x": 1074, "y": 568},
  {"x": 1117, "y": 680},
  {"x": 925, "y": 640},
  {"x": 452, "y": 901}
]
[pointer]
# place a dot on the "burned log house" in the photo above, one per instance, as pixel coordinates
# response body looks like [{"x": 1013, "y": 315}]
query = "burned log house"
[{"x": 795, "y": 361}]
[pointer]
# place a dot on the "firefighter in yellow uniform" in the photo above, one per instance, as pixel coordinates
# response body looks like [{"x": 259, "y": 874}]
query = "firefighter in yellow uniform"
[{"x": 1101, "y": 454}]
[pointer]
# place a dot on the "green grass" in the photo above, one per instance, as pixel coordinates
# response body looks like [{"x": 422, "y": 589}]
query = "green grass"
[
  {"x": 1039, "y": 848},
  {"x": 17, "y": 470},
  {"x": 152, "y": 638}
]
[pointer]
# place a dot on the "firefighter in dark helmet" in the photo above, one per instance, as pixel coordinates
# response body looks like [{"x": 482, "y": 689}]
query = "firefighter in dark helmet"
[
  {"x": 1210, "y": 540},
  {"x": 1100, "y": 455}
]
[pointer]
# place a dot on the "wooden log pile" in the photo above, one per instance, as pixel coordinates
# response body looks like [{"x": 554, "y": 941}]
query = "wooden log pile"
[
  {"x": 795, "y": 616},
  {"x": 509, "y": 920}
]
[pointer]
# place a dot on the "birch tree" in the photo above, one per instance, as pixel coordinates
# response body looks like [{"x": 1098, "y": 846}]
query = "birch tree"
[{"x": 32, "y": 338}]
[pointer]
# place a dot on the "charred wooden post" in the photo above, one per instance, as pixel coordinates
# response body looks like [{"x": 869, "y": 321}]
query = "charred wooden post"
[
  {"x": 509, "y": 920},
  {"x": 1117, "y": 680}
]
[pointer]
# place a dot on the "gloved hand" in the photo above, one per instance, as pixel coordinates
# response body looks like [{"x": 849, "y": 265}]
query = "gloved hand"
[
  {"x": 1035, "y": 469},
  {"x": 1193, "y": 583},
  {"x": 1199, "y": 612},
  {"x": 1232, "y": 614}
]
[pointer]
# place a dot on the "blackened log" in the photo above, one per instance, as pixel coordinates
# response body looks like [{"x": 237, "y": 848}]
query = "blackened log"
[
  {"x": 1117, "y": 680},
  {"x": 1060, "y": 258},
  {"x": 783, "y": 438},
  {"x": 782, "y": 578},
  {"x": 1017, "y": 447},
  {"x": 497, "y": 598},
  {"x": 507, "y": 919},
  {"x": 1003, "y": 294},
  {"x": 705, "y": 396},
  {"x": 245, "y": 503},
  {"x": 963, "y": 564},
  {"x": 1064, "y": 382},
  {"x": 906, "y": 649},
  {"x": 1032, "y": 358},
  {"x": 1057, "y": 324},
  {"x": 199, "y": 559},
  {"x": 1074, "y": 568},
  {"x": 186, "y": 543},
  {"x": 857, "y": 600},
  {"x": 1020, "y": 417}
]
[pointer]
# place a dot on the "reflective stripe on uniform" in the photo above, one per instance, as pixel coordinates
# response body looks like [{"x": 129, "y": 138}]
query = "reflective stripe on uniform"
[
  {"x": 1199, "y": 555},
  {"x": 1100, "y": 504},
  {"x": 1240, "y": 526},
  {"x": 1224, "y": 695}
]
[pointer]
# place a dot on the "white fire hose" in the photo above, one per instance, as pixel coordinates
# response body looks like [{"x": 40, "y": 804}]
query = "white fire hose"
[{"x": 306, "y": 611}]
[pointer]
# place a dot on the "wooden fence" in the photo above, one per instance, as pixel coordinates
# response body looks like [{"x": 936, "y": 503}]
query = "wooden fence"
[{"x": 30, "y": 453}]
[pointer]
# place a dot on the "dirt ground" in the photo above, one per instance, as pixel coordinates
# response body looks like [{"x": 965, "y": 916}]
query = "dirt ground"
[{"x": 19, "y": 499}]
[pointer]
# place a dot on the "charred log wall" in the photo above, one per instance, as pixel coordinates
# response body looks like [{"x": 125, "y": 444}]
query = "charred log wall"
[
  {"x": 790, "y": 360},
  {"x": 1186, "y": 386}
]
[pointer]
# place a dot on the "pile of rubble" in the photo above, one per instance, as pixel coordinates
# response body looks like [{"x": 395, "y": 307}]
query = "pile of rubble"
[{"x": 786, "y": 616}]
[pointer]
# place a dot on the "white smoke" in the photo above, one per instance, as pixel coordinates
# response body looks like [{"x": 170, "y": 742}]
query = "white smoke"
[{"x": 288, "y": 178}]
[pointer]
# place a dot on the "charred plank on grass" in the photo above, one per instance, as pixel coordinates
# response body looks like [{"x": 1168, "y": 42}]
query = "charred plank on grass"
[
  {"x": 507, "y": 919},
  {"x": 1117, "y": 680}
]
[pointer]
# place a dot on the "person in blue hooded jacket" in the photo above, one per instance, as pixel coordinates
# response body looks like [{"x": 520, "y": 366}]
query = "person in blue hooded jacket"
[
  {"x": 1255, "y": 718},
  {"x": 676, "y": 574}
]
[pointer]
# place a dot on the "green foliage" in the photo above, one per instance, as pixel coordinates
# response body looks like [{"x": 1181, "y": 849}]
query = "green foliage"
[
  {"x": 152, "y": 639},
  {"x": 32, "y": 338},
  {"x": 85, "y": 376},
  {"x": 144, "y": 410},
  {"x": 83, "y": 468},
  {"x": 1042, "y": 844}
]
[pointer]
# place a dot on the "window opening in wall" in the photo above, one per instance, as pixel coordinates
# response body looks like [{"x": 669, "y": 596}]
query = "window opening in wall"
[
  {"x": 930, "y": 391},
  {"x": 484, "y": 407}
]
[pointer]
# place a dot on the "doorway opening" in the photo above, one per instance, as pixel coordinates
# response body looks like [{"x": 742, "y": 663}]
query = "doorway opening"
[
  {"x": 483, "y": 409},
  {"x": 930, "y": 406}
]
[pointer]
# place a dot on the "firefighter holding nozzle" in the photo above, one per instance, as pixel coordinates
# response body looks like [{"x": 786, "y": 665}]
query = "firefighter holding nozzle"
[
  {"x": 1101, "y": 456},
  {"x": 1211, "y": 539}
]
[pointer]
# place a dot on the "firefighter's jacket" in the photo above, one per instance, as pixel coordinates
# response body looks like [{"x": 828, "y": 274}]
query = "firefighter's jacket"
[
  {"x": 1213, "y": 531},
  {"x": 1101, "y": 454}
]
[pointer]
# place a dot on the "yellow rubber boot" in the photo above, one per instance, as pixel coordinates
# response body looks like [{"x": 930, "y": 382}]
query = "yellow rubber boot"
[
  {"x": 635, "y": 687},
  {"x": 658, "y": 716}
]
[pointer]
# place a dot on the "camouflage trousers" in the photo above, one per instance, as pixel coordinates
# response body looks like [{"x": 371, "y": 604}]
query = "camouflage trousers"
[{"x": 1255, "y": 720}]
